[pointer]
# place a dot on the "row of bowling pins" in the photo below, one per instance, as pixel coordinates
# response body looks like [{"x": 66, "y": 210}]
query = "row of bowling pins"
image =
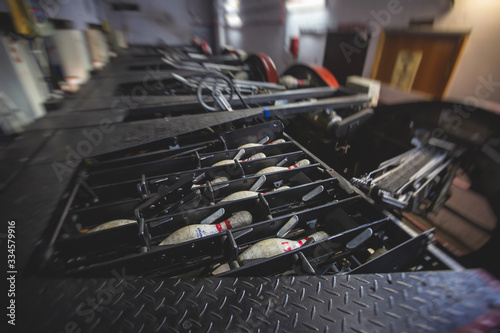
[
  {"x": 266, "y": 170},
  {"x": 249, "y": 194},
  {"x": 234, "y": 196},
  {"x": 242, "y": 151},
  {"x": 232, "y": 161},
  {"x": 192, "y": 231},
  {"x": 271, "y": 247},
  {"x": 263, "y": 249}
]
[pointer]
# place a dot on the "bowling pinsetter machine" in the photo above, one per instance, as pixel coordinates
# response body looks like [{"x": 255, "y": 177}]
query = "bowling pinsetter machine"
[
  {"x": 238, "y": 226},
  {"x": 246, "y": 202},
  {"x": 217, "y": 91},
  {"x": 219, "y": 82}
]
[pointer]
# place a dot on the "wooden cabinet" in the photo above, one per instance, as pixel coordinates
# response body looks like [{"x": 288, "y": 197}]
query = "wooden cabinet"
[{"x": 418, "y": 60}]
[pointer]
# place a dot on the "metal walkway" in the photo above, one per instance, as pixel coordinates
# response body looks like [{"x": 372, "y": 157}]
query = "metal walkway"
[{"x": 399, "y": 302}]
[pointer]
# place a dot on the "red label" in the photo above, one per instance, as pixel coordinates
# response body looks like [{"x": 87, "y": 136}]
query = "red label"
[
  {"x": 219, "y": 227},
  {"x": 286, "y": 247},
  {"x": 228, "y": 224},
  {"x": 293, "y": 166}
]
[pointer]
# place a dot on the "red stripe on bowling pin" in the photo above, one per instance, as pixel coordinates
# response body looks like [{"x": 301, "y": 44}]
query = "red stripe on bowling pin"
[{"x": 287, "y": 246}]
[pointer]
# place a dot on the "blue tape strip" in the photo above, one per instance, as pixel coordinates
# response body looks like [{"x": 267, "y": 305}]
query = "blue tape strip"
[{"x": 267, "y": 114}]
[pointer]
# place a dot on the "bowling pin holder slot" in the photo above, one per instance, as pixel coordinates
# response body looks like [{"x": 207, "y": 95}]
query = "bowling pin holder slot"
[
  {"x": 96, "y": 243},
  {"x": 215, "y": 138},
  {"x": 336, "y": 255},
  {"x": 173, "y": 198},
  {"x": 310, "y": 220},
  {"x": 156, "y": 190},
  {"x": 264, "y": 183},
  {"x": 152, "y": 169},
  {"x": 166, "y": 225},
  {"x": 208, "y": 159},
  {"x": 122, "y": 182},
  {"x": 143, "y": 186}
]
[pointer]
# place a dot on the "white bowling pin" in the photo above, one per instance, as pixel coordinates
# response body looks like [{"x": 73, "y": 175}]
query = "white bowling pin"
[
  {"x": 278, "y": 189},
  {"x": 215, "y": 181},
  {"x": 253, "y": 157},
  {"x": 240, "y": 195},
  {"x": 195, "y": 231},
  {"x": 250, "y": 145},
  {"x": 272, "y": 247},
  {"x": 111, "y": 224},
  {"x": 291, "y": 82},
  {"x": 300, "y": 163},
  {"x": 219, "y": 180}
]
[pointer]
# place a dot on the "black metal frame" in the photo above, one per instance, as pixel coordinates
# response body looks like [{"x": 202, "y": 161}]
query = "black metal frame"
[{"x": 167, "y": 201}]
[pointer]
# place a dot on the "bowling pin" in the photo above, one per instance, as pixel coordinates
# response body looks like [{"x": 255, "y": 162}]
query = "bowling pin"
[
  {"x": 272, "y": 247},
  {"x": 250, "y": 145},
  {"x": 300, "y": 163},
  {"x": 112, "y": 224},
  {"x": 279, "y": 189},
  {"x": 240, "y": 195},
  {"x": 219, "y": 180},
  {"x": 253, "y": 157},
  {"x": 215, "y": 181},
  {"x": 195, "y": 231},
  {"x": 291, "y": 82}
]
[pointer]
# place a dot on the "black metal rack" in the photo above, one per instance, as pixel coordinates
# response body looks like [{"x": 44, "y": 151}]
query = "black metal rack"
[{"x": 164, "y": 190}]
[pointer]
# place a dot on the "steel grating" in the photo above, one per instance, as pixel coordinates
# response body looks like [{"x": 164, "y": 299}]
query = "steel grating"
[{"x": 398, "y": 302}]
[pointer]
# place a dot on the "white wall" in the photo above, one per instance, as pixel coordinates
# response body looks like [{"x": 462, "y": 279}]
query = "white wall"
[
  {"x": 173, "y": 21},
  {"x": 481, "y": 55},
  {"x": 263, "y": 31}
]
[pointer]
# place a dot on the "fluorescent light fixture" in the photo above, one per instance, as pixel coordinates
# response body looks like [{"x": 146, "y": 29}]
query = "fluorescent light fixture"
[
  {"x": 300, "y": 5},
  {"x": 232, "y": 6},
  {"x": 233, "y": 20}
]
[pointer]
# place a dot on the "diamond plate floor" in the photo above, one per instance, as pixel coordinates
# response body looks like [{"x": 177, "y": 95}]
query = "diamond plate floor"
[{"x": 399, "y": 302}]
